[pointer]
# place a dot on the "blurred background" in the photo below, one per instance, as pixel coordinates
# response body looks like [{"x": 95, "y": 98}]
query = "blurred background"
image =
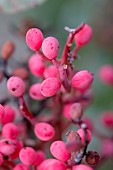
[{"x": 51, "y": 16}]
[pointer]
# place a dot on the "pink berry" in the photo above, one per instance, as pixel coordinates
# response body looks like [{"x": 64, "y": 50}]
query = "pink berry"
[
  {"x": 50, "y": 86},
  {"x": 82, "y": 135},
  {"x": 7, "y": 146},
  {"x": 107, "y": 119},
  {"x": 1, "y": 159},
  {"x": 27, "y": 155},
  {"x": 21, "y": 166},
  {"x": 44, "y": 131},
  {"x": 83, "y": 36},
  {"x": 34, "y": 38},
  {"x": 9, "y": 114},
  {"x": 19, "y": 146},
  {"x": 10, "y": 130},
  {"x": 36, "y": 65},
  {"x": 52, "y": 164},
  {"x": 2, "y": 112},
  {"x": 106, "y": 74},
  {"x": 82, "y": 167},
  {"x": 59, "y": 150},
  {"x": 16, "y": 86},
  {"x": 66, "y": 111},
  {"x": 40, "y": 157},
  {"x": 82, "y": 80},
  {"x": 35, "y": 93},
  {"x": 50, "y": 47},
  {"x": 51, "y": 71}
]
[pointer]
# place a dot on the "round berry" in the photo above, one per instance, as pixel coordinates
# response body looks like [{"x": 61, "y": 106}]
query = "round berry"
[
  {"x": 82, "y": 135},
  {"x": 34, "y": 38},
  {"x": 81, "y": 167},
  {"x": 21, "y": 72},
  {"x": 83, "y": 36},
  {"x": 16, "y": 86},
  {"x": 82, "y": 80},
  {"x": 107, "y": 119},
  {"x": 51, "y": 71},
  {"x": 36, "y": 65},
  {"x": 106, "y": 74},
  {"x": 40, "y": 157},
  {"x": 10, "y": 130},
  {"x": 27, "y": 155},
  {"x": 21, "y": 166},
  {"x": 50, "y": 86},
  {"x": 58, "y": 150},
  {"x": 52, "y": 164},
  {"x": 50, "y": 47},
  {"x": 44, "y": 131},
  {"x": 66, "y": 111},
  {"x": 9, "y": 114},
  {"x": 35, "y": 92}
]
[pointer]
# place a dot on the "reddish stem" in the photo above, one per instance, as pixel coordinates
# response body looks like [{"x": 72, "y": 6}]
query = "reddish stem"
[{"x": 68, "y": 44}]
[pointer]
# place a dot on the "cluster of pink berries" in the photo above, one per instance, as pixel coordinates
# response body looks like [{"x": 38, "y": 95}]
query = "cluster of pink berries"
[{"x": 66, "y": 93}]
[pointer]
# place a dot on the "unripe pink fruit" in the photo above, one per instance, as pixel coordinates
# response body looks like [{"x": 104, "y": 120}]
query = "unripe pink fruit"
[
  {"x": 34, "y": 38},
  {"x": 16, "y": 86},
  {"x": 50, "y": 86},
  {"x": 21, "y": 167},
  {"x": 40, "y": 157},
  {"x": 36, "y": 65},
  {"x": 106, "y": 74},
  {"x": 51, "y": 71},
  {"x": 66, "y": 111},
  {"x": 7, "y": 146},
  {"x": 9, "y": 114},
  {"x": 50, "y": 47},
  {"x": 107, "y": 119},
  {"x": 82, "y": 135},
  {"x": 10, "y": 130},
  {"x": 58, "y": 150},
  {"x": 2, "y": 112},
  {"x": 35, "y": 92},
  {"x": 81, "y": 167},
  {"x": 44, "y": 131},
  {"x": 52, "y": 164},
  {"x": 83, "y": 36},
  {"x": 27, "y": 155},
  {"x": 82, "y": 80},
  {"x": 19, "y": 146}
]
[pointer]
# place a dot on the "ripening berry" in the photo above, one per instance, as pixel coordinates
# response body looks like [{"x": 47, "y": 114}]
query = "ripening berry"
[
  {"x": 7, "y": 50},
  {"x": 40, "y": 157},
  {"x": 51, "y": 71},
  {"x": 10, "y": 130},
  {"x": 50, "y": 86},
  {"x": 50, "y": 47},
  {"x": 36, "y": 65},
  {"x": 9, "y": 114},
  {"x": 16, "y": 86},
  {"x": 76, "y": 111},
  {"x": 106, "y": 74},
  {"x": 27, "y": 155},
  {"x": 58, "y": 150},
  {"x": 107, "y": 119},
  {"x": 44, "y": 131},
  {"x": 21, "y": 72},
  {"x": 19, "y": 146},
  {"x": 81, "y": 167},
  {"x": 82, "y": 135},
  {"x": 2, "y": 112},
  {"x": 52, "y": 164},
  {"x": 82, "y": 80},
  {"x": 35, "y": 92},
  {"x": 7, "y": 146},
  {"x": 21, "y": 166},
  {"x": 83, "y": 36},
  {"x": 34, "y": 38},
  {"x": 1, "y": 159}
]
